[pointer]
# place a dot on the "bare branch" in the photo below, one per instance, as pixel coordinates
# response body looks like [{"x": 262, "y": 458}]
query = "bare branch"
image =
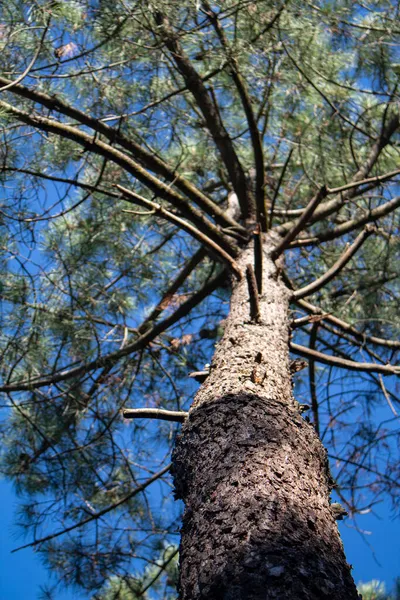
[
  {"x": 354, "y": 184},
  {"x": 278, "y": 186},
  {"x": 258, "y": 257},
  {"x": 343, "y": 363},
  {"x": 177, "y": 416},
  {"x": 173, "y": 288},
  {"x": 311, "y": 371},
  {"x": 371, "y": 216},
  {"x": 321, "y": 315},
  {"x": 141, "y": 342},
  {"x": 253, "y": 294},
  {"x": 255, "y": 137},
  {"x": 334, "y": 205},
  {"x": 149, "y": 159},
  {"x": 131, "y": 166}
]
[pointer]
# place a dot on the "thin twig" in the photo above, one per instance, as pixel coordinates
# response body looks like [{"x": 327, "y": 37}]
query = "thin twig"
[
  {"x": 276, "y": 192},
  {"x": 311, "y": 371},
  {"x": 318, "y": 313},
  {"x": 99, "y": 514},
  {"x": 258, "y": 257},
  {"x": 348, "y": 226}
]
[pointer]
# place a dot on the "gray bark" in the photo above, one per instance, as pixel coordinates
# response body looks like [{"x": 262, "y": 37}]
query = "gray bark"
[{"x": 252, "y": 472}]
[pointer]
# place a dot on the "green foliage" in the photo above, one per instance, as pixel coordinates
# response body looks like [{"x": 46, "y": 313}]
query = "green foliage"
[
  {"x": 160, "y": 577},
  {"x": 375, "y": 590},
  {"x": 82, "y": 280}
]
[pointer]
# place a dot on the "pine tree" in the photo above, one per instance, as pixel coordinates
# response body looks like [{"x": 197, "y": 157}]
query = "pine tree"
[{"x": 199, "y": 192}]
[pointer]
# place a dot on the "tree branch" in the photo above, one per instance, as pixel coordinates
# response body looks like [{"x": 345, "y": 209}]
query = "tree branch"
[
  {"x": 343, "y": 363},
  {"x": 311, "y": 371},
  {"x": 101, "y": 148},
  {"x": 348, "y": 226},
  {"x": 177, "y": 416},
  {"x": 141, "y": 342},
  {"x": 100, "y": 513},
  {"x": 148, "y": 159},
  {"x": 253, "y": 295},
  {"x": 173, "y": 288},
  {"x": 334, "y": 205},
  {"x": 337, "y": 267},
  {"x": 251, "y": 120},
  {"x": 323, "y": 316},
  {"x": 210, "y": 113},
  {"x": 130, "y": 196},
  {"x": 300, "y": 223}
]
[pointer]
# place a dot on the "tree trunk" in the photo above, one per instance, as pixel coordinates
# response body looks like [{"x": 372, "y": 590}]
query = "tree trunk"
[{"x": 252, "y": 472}]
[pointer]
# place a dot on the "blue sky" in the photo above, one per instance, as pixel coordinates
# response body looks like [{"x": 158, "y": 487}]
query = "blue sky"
[{"x": 21, "y": 574}]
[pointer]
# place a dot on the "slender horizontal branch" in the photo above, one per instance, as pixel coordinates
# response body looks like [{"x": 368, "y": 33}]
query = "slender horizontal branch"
[
  {"x": 343, "y": 363},
  {"x": 323, "y": 316},
  {"x": 336, "y": 268},
  {"x": 100, "y": 513},
  {"x": 129, "y": 195},
  {"x": 350, "y": 225},
  {"x": 177, "y": 416},
  {"x": 354, "y": 184},
  {"x": 300, "y": 223}
]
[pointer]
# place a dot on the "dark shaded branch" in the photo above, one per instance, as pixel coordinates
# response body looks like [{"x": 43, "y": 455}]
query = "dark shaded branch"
[
  {"x": 258, "y": 258},
  {"x": 177, "y": 416},
  {"x": 278, "y": 186},
  {"x": 300, "y": 223},
  {"x": 130, "y": 196},
  {"x": 100, "y": 513},
  {"x": 173, "y": 288},
  {"x": 343, "y": 363},
  {"x": 210, "y": 113},
  {"x": 311, "y": 371},
  {"x": 334, "y": 205},
  {"x": 255, "y": 136},
  {"x": 253, "y": 295},
  {"x": 337, "y": 267}
]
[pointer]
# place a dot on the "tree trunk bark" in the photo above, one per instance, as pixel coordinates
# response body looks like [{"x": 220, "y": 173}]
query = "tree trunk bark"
[{"x": 252, "y": 472}]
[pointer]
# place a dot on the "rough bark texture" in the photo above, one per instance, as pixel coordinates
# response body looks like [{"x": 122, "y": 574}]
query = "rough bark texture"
[{"x": 252, "y": 472}]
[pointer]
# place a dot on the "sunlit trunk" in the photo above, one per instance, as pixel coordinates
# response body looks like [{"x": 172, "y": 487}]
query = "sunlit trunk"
[{"x": 252, "y": 472}]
